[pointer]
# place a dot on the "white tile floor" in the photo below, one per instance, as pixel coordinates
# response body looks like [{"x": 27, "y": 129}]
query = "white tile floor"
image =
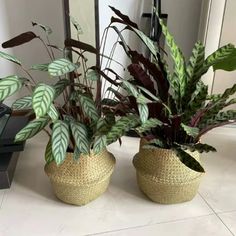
[{"x": 29, "y": 208}]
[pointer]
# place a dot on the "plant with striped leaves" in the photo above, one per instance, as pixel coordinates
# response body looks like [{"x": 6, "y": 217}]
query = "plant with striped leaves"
[
  {"x": 71, "y": 104},
  {"x": 175, "y": 107}
]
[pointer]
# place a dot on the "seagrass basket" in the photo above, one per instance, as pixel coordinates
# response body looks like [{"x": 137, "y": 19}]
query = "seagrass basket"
[
  {"x": 80, "y": 183},
  {"x": 163, "y": 178}
]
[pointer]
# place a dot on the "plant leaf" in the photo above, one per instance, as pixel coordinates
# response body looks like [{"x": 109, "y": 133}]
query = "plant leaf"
[
  {"x": 61, "y": 67},
  {"x": 179, "y": 62},
  {"x": 9, "y": 85},
  {"x": 123, "y": 125},
  {"x": 42, "y": 99},
  {"x": 20, "y": 39},
  {"x": 46, "y": 28},
  {"x": 199, "y": 147},
  {"x": 131, "y": 88},
  {"x": 80, "y": 45},
  {"x": 60, "y": 86},
  {"x": 148, "y": 125},
  {"x": 218, "y": 57},
  {"x": 76, "y": 154},
  {"x": 125, "y": 18},
  {"x": 60, "y": 141},
  {"x": 92, "y": 75},
  {"x": 48, "y": 152},
  {"x": 143, "y": 112},
  {"x": 76, "y": 25},
  {"x": 88, "y": 107},
  {"x": 22, "y": 103},
  {"x": 100, "y": 143},
  {"x": 191, "y": 131},
  {"x": 40, "y": 67},
  {"x": 194, "y": 68},
  {"x": 9, "y": 58},
  {"x": 53, "y": 113},
  {"x": 189, "y": 161},
  {"x": 31, "y": 129},
  {"x": 80, "y": 135},
  {"x": 229, "y": 64},
  {"x": 147, "y": 41}
]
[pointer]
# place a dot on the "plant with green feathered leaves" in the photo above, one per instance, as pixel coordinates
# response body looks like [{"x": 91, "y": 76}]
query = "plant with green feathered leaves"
[
  {"x": 77, "y": 124},
  {"x": 175, "y": 108}
]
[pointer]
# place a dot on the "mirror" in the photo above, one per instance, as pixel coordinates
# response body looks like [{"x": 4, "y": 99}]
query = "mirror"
[{"x": 87, "y": 17}]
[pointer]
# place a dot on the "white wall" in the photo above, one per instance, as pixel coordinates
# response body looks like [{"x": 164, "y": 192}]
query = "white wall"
[{"x": 15, "y": 18}]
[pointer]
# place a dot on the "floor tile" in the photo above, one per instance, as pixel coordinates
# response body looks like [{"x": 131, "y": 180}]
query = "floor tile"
[
  {"x": 230, "y": 220},
  {"x": 208, "y": 225},
  {"x": 219, "y": 185},
  {"x": 32, "y": 207}
]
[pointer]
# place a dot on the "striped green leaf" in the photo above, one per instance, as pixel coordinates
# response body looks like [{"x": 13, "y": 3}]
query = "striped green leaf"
[
  {"x": 88, "y": 107},
  {"x": 46, "y": 28},
  {"x": 60, "y": 141},
  {"x": 61, "y": 67},
  {"x": 42, "y": 99},
  {"x": 229, "y": 64},
  {"x": 53, "y": 113},
  {"x": 123, "y": 125},
  {"x": 194, "y": 68},
  {"x": 60, "y": 86},
  {"x": 76, "y": 25},
  {"x": 48, "y": 152},
  {"x": 100, "y": 143},
  {"x": 179, "y": 62},
  {"x": 76, "y": 154},
  {"x": 147, "y": 41},
  {"x": 31, "y": 129},
  {"x": 131, "y": 88},
  {"x": 9, "y": 85},
  {"x": 148, "y": 125},
  {"x": 80, "y": 134},
  {"x": 191, "y": 131},
  {"x": 92, "y": 75},
  {"x": 22, "y": 103},
  {"x": 219, "y": 56},
  {"x": 143, "y": 112},
  {"x": 40, "y": 67},
  {"x": 9, "y": 58}
]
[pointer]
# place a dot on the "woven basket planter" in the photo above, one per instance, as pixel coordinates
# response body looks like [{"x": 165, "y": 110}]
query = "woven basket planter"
[
  {"x": 163, "y": 178},
  {"x": 80, "y": 183}
]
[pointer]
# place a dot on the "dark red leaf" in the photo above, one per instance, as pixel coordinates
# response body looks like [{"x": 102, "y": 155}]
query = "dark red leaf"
[
  {"x": 155, "y": 110},
  {"x": 19, "y": 40},
  {"x": 133, "y": 103},
  {"x": 125, "y": 18},
  {"x": 142, "y": 77},
  {"x": 158, "y": 76},
  {"x": 80, "y": 45},
  {"x": 104, "y": 75}
]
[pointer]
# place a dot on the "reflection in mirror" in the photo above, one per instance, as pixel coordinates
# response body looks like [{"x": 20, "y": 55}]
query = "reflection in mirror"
[{"x": 84, "y": 14}]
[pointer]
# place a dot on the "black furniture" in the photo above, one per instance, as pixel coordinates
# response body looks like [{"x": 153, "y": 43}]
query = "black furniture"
[{"x": 9, "y": 151}]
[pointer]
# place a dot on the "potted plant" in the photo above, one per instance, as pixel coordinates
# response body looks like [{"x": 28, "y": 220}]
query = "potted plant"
[
  {"x": 176, "y": 110},
  {"x": 77, "y": 161}
]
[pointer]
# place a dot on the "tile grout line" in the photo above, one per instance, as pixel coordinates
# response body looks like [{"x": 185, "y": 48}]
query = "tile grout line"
[
  {"x": 216, "y": 214},
  {"x": 147, "y": 225},
  {"x": 1, "y": 203}
]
